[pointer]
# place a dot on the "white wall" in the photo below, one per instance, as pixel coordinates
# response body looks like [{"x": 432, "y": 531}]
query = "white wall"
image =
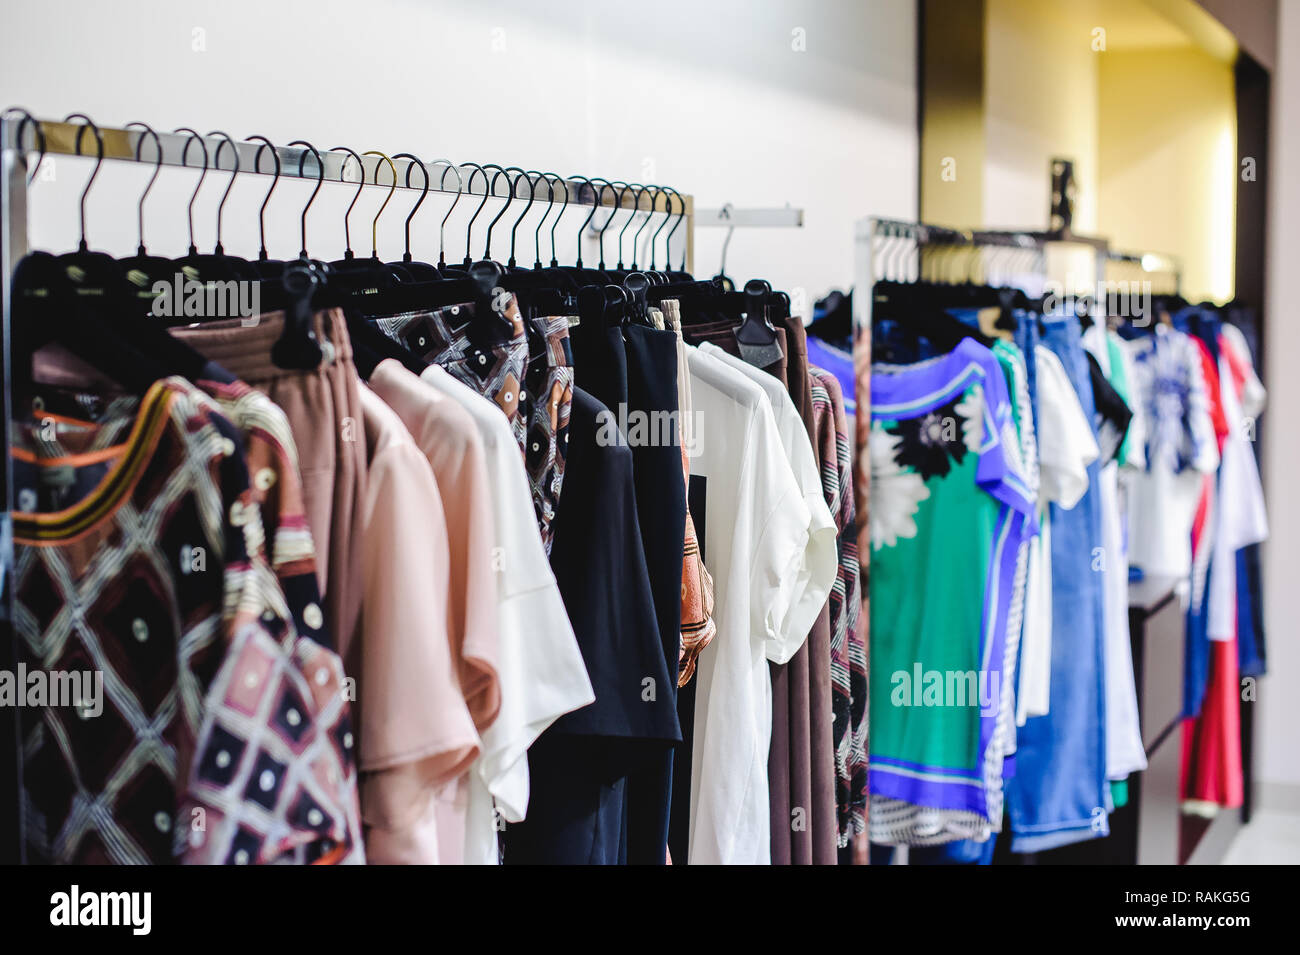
[
  {"x": 711, "y": 98},
  {"x": 1278, "y": 742}
]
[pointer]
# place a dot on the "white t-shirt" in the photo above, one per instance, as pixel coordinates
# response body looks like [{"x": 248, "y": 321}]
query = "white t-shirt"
[
  {"x": 755, "y": 539},
  {"x": 1242, "y": 520},
  {"x": 539, "y": 665},
  {"x": 817, "y": 575},
  {"x": 1066, "y": 447}
]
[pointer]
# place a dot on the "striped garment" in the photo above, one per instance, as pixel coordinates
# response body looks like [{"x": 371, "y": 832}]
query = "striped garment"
[{"x": 848, "y": 649}]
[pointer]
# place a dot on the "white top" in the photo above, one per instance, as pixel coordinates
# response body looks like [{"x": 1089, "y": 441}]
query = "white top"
[
  {"x": 822, "y": 558},
  {"x": 1066, "y": 447},
  {"x": 539, "y": 665},
  {"x": 755, "y": 540},
  {"x": 1242, "y": 520}
]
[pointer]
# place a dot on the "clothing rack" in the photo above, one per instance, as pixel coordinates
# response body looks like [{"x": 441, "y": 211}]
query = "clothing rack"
[
  {"x": 21, "y": 135},
  {"x": 255, "y": 156},
  {"x": 1151, "y": 262},
  {"x": 887, "y": 248},
  {"x": 910, "y": 240},
  {"x": 727, "y": 216}
]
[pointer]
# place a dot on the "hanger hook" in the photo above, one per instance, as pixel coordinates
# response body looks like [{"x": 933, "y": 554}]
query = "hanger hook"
[
  {"x": 157, "y": 168},
  {"x": 636, "y": 209},
  {"x": 99, "y": 161},
  {"x": 347, "y": 231},
  {"x": 595, "y": 201},
  {"x": 257, "y": 167},
  {"x": 532, "y": 195},
  {"x": 656, "y": 192},
  {"x": 320, "y": 180},
  {"x": 442, "y": 183},
  {"x": 469, "y": 226},
  {"x": 374, "y": 226},
  {"x": 618, "y": 205},
  {"x": 510, "y": 198},
  {"x": 415, "y": 163},
  {"x": 563, "y": 209},
  {"x": 600, "y": 201},
  {"x": 28, "y": 120},
  {"x": 725, "y": 213},
  {"x": 550, "y": 203},
  {"x": 668, "y": 243},
  {"x": 216, "y": 162},
  {"x": 609, "y": 220},
  {"x": 668, "y": 215},
  {"x": 203, "y": 147}
]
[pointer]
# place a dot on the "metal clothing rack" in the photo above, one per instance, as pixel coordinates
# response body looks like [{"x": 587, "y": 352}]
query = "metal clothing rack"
[
  {"x": 255, "y": 156},
  {"x": 21, "y": 137},
  {"x": 1150, "y": 263},
  {"x": 729, "y": 217},
  {"x": 911, "y": 240},
  {"x": 886, "y": 248}
]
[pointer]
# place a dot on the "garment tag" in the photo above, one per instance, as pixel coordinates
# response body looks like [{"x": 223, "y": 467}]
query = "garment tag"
[{"x": 58, "y": 476}]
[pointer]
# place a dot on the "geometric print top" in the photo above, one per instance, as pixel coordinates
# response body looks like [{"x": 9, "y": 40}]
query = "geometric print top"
[
  {"x": 204, "y": 728},
  {"x": 526, "y": 371}
]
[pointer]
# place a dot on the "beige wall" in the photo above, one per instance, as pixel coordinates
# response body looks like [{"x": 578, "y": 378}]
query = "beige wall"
[
  {"x": 1167, "y": 166},
  {"x": 754, "y": 104},
  {"x": 952, "y": 123},
  {"x": 1151, "y": 132},
  {"x": 1040, "y": 102}
]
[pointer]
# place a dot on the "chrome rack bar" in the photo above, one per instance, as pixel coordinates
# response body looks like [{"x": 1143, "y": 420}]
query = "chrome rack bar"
[{"x": 785, "y": 217}]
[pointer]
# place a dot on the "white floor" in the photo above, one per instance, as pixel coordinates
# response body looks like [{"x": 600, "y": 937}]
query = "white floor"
[{"x": 1272, "y": 838}]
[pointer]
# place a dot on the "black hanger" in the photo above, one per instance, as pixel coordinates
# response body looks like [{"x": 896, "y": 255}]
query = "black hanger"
[
  {"x": 353, "y": 278},
  {"x": 756, "y": 334},
  {"x": 539, "y": 291},
  {"x": 580, "y": 274},
  {"x": 217, "y": 267},
  {"x": 510, "y": 198},
  {"x": 91, "y": 274},
  {"x": 188, "y": 264},
  {"x": 722, "y": 280},
  {"x": 469, "y": 226},
  {"x": 618, "y": 204},
  {"x": 143, "y": 271},
  {"x": 636, "y": 209},
  {"x": 532, "y": 195},
  {"x": 442, "y": 227},
  {"x": 237, "y": 264},
  {"x": 558, "y": 289},
  {"x": 650, "y": 270},
  {"x": 681, "y": 274},
  {"x": 301, "y": 281},
  {"x": 667, "y": 218},
  {"x": 555, "y": 263},
  {"x": 265, "y": 266},
  {"x": 348, "y": 254},
  {"x": 537, "y": 232},
  {"x": 418, "y": 271},
  {"x": 80, "y": 302}
]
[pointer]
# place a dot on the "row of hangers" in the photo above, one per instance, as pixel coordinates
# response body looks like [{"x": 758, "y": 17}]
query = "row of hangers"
[{"x": 66, "y": 298}]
